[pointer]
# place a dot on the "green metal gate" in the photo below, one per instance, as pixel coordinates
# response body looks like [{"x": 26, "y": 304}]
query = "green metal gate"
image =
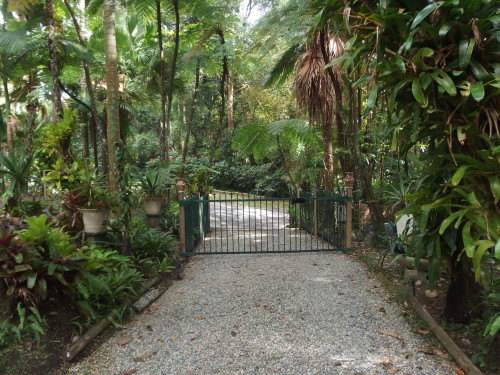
[{"x": 232, "y": 223}]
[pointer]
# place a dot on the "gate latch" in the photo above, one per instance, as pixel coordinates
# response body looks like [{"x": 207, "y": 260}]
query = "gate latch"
[{"x": 297, "y": 200}]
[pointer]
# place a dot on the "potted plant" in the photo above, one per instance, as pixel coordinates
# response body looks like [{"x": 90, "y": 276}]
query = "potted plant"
[
  {"x": 95, "y": 212},
  {"x": 154, "y": 185}
]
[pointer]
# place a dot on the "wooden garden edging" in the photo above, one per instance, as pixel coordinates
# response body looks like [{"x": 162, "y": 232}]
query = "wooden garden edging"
[
  {"x": 85, "y": 339},
  {"x": 462, "y": 359}
]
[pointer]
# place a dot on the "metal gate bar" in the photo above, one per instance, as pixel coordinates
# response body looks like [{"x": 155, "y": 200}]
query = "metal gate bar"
[{"x": 258, "y": 225}]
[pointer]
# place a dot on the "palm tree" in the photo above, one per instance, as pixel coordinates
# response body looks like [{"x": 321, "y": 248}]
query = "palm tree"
[
  {"x": 315, "y": 93},
  {"x": 112, "y": 104}
]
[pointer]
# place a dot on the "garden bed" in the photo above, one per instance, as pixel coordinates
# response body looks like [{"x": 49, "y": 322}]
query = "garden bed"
[{"x": 467, "y": 337}]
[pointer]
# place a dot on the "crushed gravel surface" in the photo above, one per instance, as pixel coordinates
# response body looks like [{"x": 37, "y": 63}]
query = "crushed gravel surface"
[{"x": 301, "y": 313}]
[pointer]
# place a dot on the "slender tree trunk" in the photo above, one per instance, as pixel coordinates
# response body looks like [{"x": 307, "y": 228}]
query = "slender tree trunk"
[
  {"x": 97, "y": 122},
  {"x": 163, "y": 74},
  {"x": 54, "y": 68},
  {"x": 287, "y": 168},
  {"x": 191, "y": 118},
  {"x": 165, "y": 135},
  {"x": 112, "y": 102},
  {"x": 230, "y": 101},
  {"x": 326, "y": 133},
  {"x": 225, "y": 71}
]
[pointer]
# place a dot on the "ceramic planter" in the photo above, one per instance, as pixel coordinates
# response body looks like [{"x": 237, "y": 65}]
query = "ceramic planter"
[
  {"x": 95, "y": 221},
  {"x": 152, "y": 206}
]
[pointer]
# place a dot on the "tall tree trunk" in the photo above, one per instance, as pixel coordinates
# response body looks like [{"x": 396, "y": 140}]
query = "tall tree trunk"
[
  {"x": 191, "y": 118},
  {"x": 165, "y": 134},
  {"x": 230, "y": 101},
  {"x": 163, "y": 75},
  {"x": 225, "y": 71},
  {"x": 97, "y": 122},
  {"x": 112, "y": 102},
  {"x": 326, "y": 133},
  {"x": 54, "y": 68}
]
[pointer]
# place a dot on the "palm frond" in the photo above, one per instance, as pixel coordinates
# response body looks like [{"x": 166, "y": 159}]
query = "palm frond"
[{"x": 284, "y": 67}]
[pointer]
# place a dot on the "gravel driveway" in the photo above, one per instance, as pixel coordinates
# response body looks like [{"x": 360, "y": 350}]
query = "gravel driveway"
[{"x": 305, "y": 313}]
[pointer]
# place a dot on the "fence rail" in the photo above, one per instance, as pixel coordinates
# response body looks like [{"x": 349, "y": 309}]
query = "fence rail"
[{"x": 227, "y": 222}]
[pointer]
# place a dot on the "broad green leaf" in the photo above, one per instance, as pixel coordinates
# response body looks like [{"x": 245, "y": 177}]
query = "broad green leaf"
[
  {"x": 494, "y": 326},
  {"x": 497, "y": 250},
  {"x": 472, "y": 199},
  {"x": 444, "y": 81},
  {"x": 418, "y": 93},
  {"x": 32, "y": 280},
  {"x": 482, "y": 246},
  {"x": 394, "y": 144},
  {"x": 424, "y": 13},
  {"x": 450, "y": 219},
  {"x": 495, "y": 187},
  {"x": 479, "y": 71},
  {"x": 19, "y": 258},
  {"x": 465, "y": 48},
  {"x": 477, "y": 91},
  {"x": 467, "y": 239},
  {"x": 22, "y": 268},
  {"x": 42, "y": 283},
  {"x": 52, "y": 267},
  {"x": 446, "y": 27},
  {"x": 461, "y": 134},
  {"x": 372, "y": 98},
  {"x": 433, "y": 268},
  {"x": 397, "y": 88},
  {"x": 457, "y": 177}
]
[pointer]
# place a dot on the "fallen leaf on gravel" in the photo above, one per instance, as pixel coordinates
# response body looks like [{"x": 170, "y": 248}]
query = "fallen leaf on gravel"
[
  {"x": 393, "y": 335},
  {"x": 440, "y": 353},
  {"x": 199, "y": 317},
  {"x": 381, "y": 310},
  {"x": 124, "y": 340},
  {"x": 130, "y": 372},
  {"x": 173, "y": 338},
  {"x": 144, "y": 356},
  {"x": 393, "y": 370},
  {"x": 161, "y": 340},
  {"x": 460, "y": 372},
  {"x": 155, "y": 304},
  {"x": 257, "y": 305},
  {"x": 284, "y": 319},
  {"x": 383, "y": 361},
  {"x": 233, "y": 333},
  {"x": 423, "y": 331},
  {"x": 338, "y": 363}
]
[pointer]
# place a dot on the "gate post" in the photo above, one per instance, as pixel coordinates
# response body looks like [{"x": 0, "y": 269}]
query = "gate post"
[
  {"x": 315, "y": 213},
  {"x": 349, "y": 184},
  {"x": 180, "y": 186}
]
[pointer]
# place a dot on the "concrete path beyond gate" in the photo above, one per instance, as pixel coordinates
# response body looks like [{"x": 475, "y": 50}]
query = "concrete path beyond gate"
[{"x": 307, "y": 313}]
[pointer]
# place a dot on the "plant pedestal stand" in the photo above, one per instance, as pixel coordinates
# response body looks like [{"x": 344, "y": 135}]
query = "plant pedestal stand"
[{"x": 153, "y": 222}]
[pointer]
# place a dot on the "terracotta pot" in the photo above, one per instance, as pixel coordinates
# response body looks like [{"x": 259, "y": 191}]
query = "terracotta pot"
[
  {"x": 95, "y": 221},
  {"x": 152, "y": 206}
]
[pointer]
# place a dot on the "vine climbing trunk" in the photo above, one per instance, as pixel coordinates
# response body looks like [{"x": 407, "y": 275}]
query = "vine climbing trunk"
[{"x": 225, "y": 72}]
